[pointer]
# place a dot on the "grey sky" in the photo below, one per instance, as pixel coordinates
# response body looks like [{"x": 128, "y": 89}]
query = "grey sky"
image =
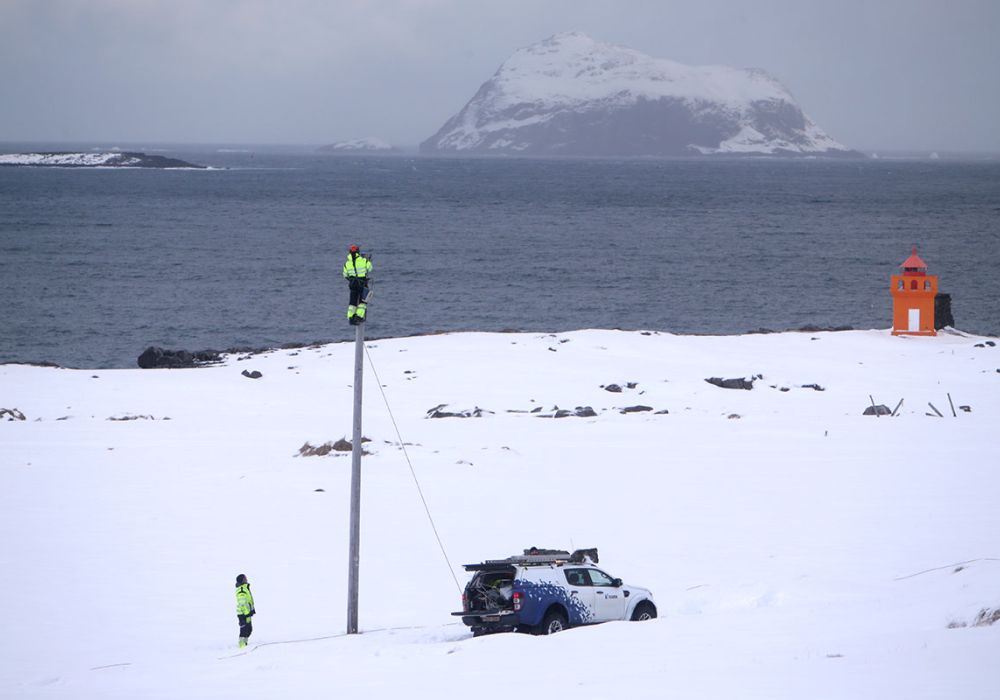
[{"x": 875, "y": 74}]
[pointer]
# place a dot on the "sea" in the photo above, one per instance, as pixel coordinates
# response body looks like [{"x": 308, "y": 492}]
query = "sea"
[{"x": 98, "y": 264}]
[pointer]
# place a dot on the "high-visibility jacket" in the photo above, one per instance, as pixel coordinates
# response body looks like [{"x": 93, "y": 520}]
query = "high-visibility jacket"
[
  {"x": 244, "y": 600},
  {"x": 357, "y": 266}
]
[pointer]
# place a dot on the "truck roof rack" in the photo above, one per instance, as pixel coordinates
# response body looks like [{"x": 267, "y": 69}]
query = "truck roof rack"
[{"x": 540, "y": 557}]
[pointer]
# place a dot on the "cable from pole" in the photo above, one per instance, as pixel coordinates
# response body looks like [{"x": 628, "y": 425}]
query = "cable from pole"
[{"x": 413, "y": 473}]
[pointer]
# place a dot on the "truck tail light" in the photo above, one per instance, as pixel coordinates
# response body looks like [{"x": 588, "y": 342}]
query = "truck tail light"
[{"x": 517, "y": 598}]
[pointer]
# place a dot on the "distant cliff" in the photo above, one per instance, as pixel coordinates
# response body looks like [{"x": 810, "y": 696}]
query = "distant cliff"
[
  {"x": 571, "y": 95},
  {"x": 112, "y": 159}
]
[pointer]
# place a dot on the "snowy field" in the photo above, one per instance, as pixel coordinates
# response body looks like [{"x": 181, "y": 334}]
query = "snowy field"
[{"x": 796, "y": 548}]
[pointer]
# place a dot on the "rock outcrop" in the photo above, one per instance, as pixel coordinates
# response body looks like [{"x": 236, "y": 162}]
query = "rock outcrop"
[
  {"x": 153, "y": 358},
  {"x": 113, "y": 159}
]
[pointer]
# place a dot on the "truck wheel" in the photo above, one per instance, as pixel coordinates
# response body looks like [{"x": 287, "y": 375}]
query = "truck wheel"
[
  {"x": 553, "y": 622},
  {"x": 644, "y": 611}
]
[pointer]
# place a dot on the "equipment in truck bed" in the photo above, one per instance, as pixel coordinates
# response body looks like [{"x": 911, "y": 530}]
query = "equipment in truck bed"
[{"x": 538, "y": 558}]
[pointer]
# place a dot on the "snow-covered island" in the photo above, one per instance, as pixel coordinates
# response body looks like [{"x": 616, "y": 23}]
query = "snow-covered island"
[
  {"x": 796, "y": 547},
  {"x": 369, "y": 144},
  {"x": 109, "y": 159},
  {"x": 571, "y": 95}
]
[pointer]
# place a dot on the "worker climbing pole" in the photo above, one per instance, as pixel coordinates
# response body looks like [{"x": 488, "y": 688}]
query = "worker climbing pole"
[{"x": 357, "y": 272}]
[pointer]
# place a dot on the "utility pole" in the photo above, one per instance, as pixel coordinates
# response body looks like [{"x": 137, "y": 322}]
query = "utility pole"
[{"x": 354, "y": 555}]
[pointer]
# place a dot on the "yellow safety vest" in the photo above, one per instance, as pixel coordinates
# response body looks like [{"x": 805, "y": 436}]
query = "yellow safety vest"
[
  {"x": 244, "y": 599},
  {"x": 357, "y": 266}
]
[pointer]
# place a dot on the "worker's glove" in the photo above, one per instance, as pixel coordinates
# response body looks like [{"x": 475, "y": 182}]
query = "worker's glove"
[{"x": 253, "y": 612}]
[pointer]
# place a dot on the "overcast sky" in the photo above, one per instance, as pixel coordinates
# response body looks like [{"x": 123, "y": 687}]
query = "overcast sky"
[{"x": 875, "y": 74}]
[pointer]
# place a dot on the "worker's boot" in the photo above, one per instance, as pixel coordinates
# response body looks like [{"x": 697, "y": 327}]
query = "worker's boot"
[
  {"x": 352, "y": 315},
  {"x": 243, "y": 642},
  {"x": 362, "y": 308}
]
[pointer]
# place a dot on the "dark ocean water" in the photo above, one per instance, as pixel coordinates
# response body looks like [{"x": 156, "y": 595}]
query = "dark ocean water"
[{"x": 96, "y": 265}]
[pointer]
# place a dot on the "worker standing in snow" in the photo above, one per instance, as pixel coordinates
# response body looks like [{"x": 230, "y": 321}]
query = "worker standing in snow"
[
  {"x": 357, "y": 270},
  {"x": 244, "y": 608}
]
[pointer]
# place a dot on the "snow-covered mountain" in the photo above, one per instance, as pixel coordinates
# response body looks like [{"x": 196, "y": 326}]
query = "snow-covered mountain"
[
  {"x": 369, "y": 144},
  {"x": 572, "y": 95}
]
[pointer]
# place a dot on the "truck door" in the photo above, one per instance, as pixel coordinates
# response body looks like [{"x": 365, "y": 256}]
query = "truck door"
[
  {"x": 581, "y": 597},
  {"x": 609, "y": 601}
]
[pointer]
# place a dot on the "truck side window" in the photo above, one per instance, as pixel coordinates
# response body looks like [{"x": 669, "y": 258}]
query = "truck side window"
[
  {"x": 599, "y": 578},
  {"x": 576, "y": 577}
]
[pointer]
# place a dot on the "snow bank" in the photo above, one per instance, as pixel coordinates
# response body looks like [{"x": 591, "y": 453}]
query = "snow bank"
[{"x": 795, "y": 547}]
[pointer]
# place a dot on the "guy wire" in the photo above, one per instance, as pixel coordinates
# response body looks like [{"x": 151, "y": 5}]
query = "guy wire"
[{"x": 413, "y": 473}]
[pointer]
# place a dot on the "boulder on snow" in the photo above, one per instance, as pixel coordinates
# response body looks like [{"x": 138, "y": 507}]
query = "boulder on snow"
[
  {"x": 636, "y": 409},
  {"x": 437, "y": 412},
  {"x": 738, "y": 383},
  {"x": 251, "y": 375},
  {"x": 11, "y": 414},
  {"x": 326, "y": 448},
  {"x": 578, "y": 412},
  {"x": 879, "y": 410},
  {"x": 987, "y": 617}
]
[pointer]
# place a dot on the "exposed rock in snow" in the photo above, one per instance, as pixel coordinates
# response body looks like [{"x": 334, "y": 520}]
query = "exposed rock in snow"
[
  {"x": 572, "y": 95},
  {"x": 737, "y": 383},
  {"x": 116, "y": 159},
  {"x": 154, "y": 357},
  {"x": 11, "y": 414},
  {"x": 369, "y": 144}
]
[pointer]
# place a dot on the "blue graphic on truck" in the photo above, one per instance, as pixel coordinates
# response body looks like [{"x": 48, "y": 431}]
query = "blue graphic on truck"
[{"x": 539, "y": 596}]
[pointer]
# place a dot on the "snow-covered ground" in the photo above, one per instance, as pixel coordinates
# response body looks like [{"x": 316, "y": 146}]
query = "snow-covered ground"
[{"x": 796, "y": 548}]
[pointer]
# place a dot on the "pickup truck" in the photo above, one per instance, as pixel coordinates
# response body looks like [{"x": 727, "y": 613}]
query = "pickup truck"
[{"x": 547, "y": 591}]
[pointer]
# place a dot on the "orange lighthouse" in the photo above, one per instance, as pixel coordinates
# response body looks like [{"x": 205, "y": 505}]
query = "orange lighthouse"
[{"x": 913, "y": 295}]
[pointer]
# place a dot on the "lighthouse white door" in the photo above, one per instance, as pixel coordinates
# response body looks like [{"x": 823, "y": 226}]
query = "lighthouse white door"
[{"x": 914, "y": 321}]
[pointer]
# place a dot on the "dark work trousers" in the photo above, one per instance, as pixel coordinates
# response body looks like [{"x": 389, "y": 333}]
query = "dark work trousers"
[
  {"x": 246, "y": 626},
  {"x": 358, "y": 287}
]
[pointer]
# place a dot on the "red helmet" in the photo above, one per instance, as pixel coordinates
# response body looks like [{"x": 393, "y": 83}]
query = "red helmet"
[{"x": 354, "y": 249}]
